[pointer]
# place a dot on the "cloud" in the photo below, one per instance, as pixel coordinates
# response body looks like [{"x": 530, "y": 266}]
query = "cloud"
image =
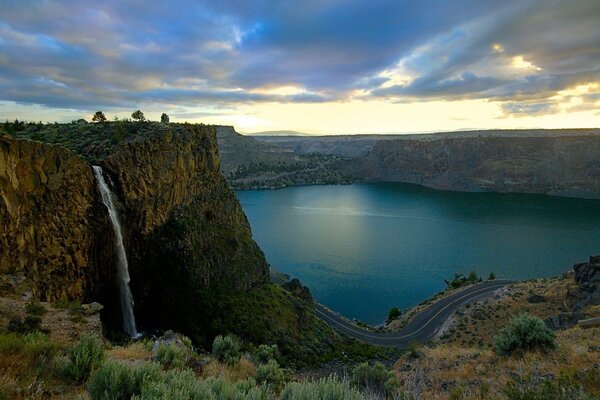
[{"x": 119, "y": 54}]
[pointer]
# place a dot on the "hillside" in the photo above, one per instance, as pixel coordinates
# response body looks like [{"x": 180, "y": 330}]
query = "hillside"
[{"x": 248, "y": 163}]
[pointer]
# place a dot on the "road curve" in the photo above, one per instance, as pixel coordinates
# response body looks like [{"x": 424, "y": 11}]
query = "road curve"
[{"x": 422, "y": 327}]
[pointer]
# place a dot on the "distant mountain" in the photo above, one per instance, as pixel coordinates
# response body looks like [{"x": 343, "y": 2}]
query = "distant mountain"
[{"x": 277, "y": 133}]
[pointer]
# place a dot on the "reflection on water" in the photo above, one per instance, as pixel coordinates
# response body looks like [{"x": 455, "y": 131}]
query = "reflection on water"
[{"x": 364, "y": 248}]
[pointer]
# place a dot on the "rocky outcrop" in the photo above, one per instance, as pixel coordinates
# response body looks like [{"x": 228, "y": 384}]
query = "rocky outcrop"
[
  {"x": 185, "y": 233},
  {"x": 53, "y": 226},
  {"x": 587, "y": 276},
  {"x": 557, "y": 165}
]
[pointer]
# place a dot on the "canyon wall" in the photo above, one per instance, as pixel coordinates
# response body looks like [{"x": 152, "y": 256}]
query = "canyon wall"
[
  {"x": 556, "y": 165},
  {"x": 185, "y": 232}
]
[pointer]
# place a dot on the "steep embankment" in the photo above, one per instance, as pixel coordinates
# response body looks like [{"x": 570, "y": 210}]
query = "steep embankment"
[
  {"x": 185, "y": 232},
  {"x": 558, "y": 165}
]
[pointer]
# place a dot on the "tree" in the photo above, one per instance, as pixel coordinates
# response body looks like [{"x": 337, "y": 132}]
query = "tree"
[
  {"x": 491, "y": 277},
  {"x": 99, "y": 117},
  {"x": 393, "y": 313},
  {"x": 138, "y": 115},
  {"x": 164, "y": 118}
]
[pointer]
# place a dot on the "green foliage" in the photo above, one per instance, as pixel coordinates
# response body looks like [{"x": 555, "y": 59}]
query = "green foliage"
[
  {"x": 375, "y": 379},
  {"x": 164, "y": 118},
  {"x": 271, "y": 374},
  {"x": 393, "y": 313},
  {"x": 149, "y": 382},
  {"x": 34, "y": 307},
  {"x": 32, "y": 354},
  {"x": 31, "y": 323},
  {"x": 112, "y": 381},
  {"x": 461, "y": 280},
  {"x": 99, "y": 117},
  {"x": 138, "y": 115},
  {"x": 524, "y": 333},
  {"x": 264, "y": 353},
  {"x": 327, "y": 388},
  {"x": 491, "y": 277},
  {"x": 227, "y": 349},
  {"x": 172, "y": 356},
  {"x": 85, "y": 357}
]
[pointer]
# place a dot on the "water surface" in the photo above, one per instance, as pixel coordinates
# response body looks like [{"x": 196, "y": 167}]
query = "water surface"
[{"x": 364, "y": 248}]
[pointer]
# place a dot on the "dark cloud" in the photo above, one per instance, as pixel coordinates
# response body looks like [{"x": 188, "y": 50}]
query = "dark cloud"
[{"x": 81, "y": 54}]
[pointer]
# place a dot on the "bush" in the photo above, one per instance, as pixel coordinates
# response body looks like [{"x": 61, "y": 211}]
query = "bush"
[
  {"x": 227, "y": 349},
  {"x": 375, "y": 379},
  {"x": 84, "y": 358},
  {"x": 34, "y": 307},
  {"x": 524, "y": 333},
  {"x": 264, "y": 353},
  {"x": 31, "y": 323},
  {"x": 172, "y": 356},
  {"x": 271, "y": 374},
  {"x": 112, "y": 381},
  {"x": 175, "y": 385},
  {"x": 328, "y": 388},
  {"x": 393, "y": 313}
]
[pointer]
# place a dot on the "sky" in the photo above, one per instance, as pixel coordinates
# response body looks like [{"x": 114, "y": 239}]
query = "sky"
[{"x": 316, "y": 66}]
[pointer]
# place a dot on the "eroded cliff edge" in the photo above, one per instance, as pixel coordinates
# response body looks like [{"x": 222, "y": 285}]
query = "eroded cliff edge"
[
  {"x": 185, "y": 232},
  {"x": 556, "y": 165}
]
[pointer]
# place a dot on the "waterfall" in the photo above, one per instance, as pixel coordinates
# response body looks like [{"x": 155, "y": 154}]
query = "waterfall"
[{"x": 123, "y": 269}]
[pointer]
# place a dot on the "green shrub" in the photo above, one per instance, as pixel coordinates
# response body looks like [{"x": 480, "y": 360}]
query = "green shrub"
[
  {"x": 524, "y": 333},
  {"x": 41, "y": 349},
  {"x": 328, "y": 388},
  {"x": 172, "y": 356},
  {"x": 31, "y": 323},
  {"x": 227, "y": 349},
  {"x": 34, "y": 307},
  {"x": 271, "y": 374},
  {"x": 264, "y": 353},
  {"x": 175, "y": 385},
  {"x": 375, "y": 379},
  {"x": 112, "y": 381},
  {"x": 393, "y": 313},
  {"x": 86, "y": 356}
]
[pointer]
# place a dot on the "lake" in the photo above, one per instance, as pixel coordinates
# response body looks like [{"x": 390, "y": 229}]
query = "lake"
[{"x": 364, "y": 248}]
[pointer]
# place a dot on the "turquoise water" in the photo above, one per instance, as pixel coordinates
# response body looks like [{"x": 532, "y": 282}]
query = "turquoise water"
[{"x": 364, "y": 248}]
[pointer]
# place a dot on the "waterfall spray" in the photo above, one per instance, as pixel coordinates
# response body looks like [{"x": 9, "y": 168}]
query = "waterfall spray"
[{"x": 123, "y": 269}]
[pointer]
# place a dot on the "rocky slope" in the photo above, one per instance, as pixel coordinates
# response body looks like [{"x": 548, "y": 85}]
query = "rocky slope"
[{"x": 185, "y": 233}]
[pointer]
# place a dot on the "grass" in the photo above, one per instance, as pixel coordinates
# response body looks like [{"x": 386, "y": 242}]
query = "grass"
[{"x": 481, "y": 374}]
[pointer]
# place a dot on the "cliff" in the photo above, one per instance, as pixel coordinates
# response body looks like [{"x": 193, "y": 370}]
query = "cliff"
[
  {"x": 185, "y": 233},
  {"x": 556, "y": 165},
  {"x": 54, "y": 230}
]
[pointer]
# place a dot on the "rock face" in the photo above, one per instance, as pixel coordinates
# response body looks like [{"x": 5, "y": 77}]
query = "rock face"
[
  {"x": 557, "y": 165},
  {"x": 587, "y": 276},
  {"x": 185, "y": 232},
  {"x": 53, "y": 227}
]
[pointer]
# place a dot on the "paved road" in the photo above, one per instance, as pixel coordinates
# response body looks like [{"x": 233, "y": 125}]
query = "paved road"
[{"x": 422, "y": 327}]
